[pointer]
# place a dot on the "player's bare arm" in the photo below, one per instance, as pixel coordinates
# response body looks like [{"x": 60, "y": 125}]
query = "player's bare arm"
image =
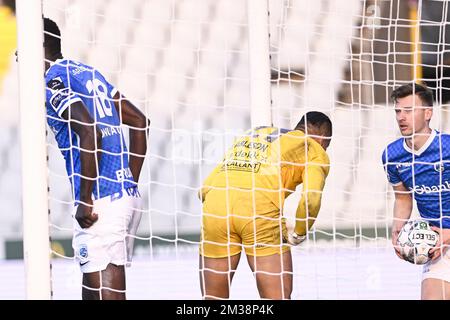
[
  {"x": 90, "y": 145},
  {"x": 402, "y": 211},
  {"x": 139, "y": 125}
]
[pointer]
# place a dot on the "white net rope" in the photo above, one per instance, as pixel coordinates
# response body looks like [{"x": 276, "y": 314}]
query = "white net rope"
[{"x": 184, "y": 63}]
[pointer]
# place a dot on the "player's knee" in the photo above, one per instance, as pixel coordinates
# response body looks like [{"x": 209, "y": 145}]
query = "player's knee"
[{"x": 215, "y": 292}]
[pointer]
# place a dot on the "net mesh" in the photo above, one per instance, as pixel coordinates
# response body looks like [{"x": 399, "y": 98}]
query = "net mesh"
[{"x": 184, "y": 63}]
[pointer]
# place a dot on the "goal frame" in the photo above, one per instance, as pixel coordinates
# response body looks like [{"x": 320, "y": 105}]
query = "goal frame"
[{"x": 36, "y": 243}]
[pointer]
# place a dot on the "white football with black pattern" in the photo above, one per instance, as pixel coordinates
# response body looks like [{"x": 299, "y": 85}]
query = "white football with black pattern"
[{"x": 415, "y": 240}]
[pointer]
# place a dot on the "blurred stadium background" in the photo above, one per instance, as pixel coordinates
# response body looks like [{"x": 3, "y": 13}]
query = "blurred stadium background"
[{"x": 185, "y": 63}]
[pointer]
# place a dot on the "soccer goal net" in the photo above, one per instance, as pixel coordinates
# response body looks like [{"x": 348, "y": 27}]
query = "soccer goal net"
[{"x": 187, "y": 65}]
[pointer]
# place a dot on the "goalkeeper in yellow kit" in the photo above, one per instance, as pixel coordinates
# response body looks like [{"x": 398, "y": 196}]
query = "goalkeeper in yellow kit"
[{"x": 243, "y": 199}]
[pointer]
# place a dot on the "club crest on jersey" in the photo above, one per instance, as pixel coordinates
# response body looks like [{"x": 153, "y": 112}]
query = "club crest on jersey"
[
  {"x": 83, "y": 251},
  {"x": 439, "y": 166}
]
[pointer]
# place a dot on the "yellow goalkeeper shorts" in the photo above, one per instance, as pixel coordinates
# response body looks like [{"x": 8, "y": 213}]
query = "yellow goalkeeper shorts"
[{"x": 233, "y": 220}]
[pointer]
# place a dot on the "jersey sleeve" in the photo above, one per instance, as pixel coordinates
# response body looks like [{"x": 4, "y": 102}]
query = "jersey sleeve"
[
  {"x": 59, "y": 95},
  {"x": 390, "y": 169},
  {"x": 314, "y": 176}
]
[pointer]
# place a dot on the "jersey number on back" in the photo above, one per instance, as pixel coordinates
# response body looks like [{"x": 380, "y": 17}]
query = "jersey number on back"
[{"x": 101, "y": 97}]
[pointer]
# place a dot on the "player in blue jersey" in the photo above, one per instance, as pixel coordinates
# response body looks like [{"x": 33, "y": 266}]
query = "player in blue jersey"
[
  {"x": 85, "y": 113},
  {"x": 418, "y": 167}
]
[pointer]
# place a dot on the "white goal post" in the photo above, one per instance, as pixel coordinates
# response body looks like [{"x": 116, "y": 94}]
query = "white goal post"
[
  {"x": 34, "y": 152},
  {"x": 259, "y": 63}
]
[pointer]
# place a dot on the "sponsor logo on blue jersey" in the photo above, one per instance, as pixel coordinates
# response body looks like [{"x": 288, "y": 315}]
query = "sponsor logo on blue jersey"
[{"x": 444, "y": 187}]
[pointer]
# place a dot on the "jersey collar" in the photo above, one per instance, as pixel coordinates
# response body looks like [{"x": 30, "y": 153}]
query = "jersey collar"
[
  {"x": 424, "y": 147},
  {"x": 57, "y": 61}
]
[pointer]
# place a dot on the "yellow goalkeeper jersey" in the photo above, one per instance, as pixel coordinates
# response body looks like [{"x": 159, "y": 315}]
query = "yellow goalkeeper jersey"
[{"x": 273, "y": 162}]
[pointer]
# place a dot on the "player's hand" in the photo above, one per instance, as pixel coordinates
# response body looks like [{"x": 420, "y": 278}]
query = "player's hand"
[
  {"x": 444, "y": 240},
  {"x": 294, "y": 239},
  {"x": 84, "y": 215},
  {"x": 395, "y": 232}
]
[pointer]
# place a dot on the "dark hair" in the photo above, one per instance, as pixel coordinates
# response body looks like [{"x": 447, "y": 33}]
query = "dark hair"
[
  {"x": 425, "y": 94},
  {"x": 10, "y": 4},
  {"x": 52, "y": 36},
  {"x": 316, "y": 119}
]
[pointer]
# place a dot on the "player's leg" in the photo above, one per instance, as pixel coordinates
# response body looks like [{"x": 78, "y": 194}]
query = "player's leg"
[
  {"x": 101, "y": 249},
  {"x": 269, "y": 258},
  {"x": 216, "y": 275},
  {"x": 108, "y": 284},
  {"x": 133, "y": 225},
  {"x": 436, "y": 278},
  {"x": 220, "y": 248},
  {"x": 435, "y": 289},
  {"x": 273, "y": 275},
  {"x": 218, "y": 259}
]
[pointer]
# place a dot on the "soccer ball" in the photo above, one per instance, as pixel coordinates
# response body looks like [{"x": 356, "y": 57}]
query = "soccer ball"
[{"x": 415, "y": 240}]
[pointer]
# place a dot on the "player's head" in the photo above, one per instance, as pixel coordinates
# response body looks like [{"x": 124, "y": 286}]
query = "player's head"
[
  {"x": 413, "y": 108},
  {"x": 52, "y": 39},
  {"x": 318, "y": 126}
]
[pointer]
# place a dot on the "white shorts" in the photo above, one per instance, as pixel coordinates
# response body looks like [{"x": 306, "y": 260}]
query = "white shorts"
[
  {"x": 111, "y": 238},
  {"x": 439, "y": 269}
]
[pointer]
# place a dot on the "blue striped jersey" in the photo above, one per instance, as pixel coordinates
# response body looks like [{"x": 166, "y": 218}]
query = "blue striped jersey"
[{"x": 68, "y": 81}]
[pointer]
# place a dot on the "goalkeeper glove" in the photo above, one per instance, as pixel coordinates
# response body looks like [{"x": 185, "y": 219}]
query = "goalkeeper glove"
[{"x": 295, "y": 239}]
